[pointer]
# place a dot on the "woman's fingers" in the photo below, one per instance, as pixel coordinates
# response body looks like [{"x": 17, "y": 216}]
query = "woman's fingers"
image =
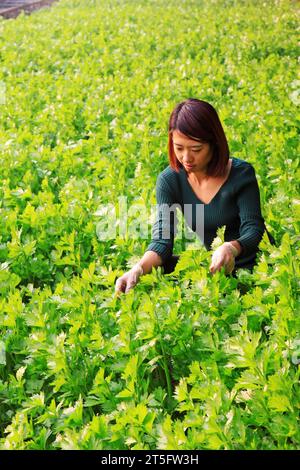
[
  {"x": 129, "y": 286},
  {"x": 126, "y": 282},
  {"x": 218, "y": 262},
  {"x": 129, "y": 279},
  {"x": 215, "y": 267},
  {"x": 120, "y": 285}
]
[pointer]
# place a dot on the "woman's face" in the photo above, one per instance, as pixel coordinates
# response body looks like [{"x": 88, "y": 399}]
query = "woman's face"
[{"x": 192, "y": 154}]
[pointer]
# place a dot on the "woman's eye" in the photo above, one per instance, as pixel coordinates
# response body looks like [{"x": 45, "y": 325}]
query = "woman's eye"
[
  {"x": 180, "y": 150},
  {"x": 193, "y": 150}
]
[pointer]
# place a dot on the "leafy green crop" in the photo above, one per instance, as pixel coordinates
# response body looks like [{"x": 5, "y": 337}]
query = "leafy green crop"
[{"x": 186, "y": 360}]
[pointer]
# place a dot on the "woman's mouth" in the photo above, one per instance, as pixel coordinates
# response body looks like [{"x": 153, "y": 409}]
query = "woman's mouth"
[{"x": 188, "y": 166}]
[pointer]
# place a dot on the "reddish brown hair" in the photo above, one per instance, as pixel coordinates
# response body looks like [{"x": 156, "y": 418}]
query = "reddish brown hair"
[{"x": 199, "y": 121}]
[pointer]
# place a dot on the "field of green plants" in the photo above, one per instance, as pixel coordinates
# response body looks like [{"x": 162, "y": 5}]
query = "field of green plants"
[{"x": 186, "y": 360}]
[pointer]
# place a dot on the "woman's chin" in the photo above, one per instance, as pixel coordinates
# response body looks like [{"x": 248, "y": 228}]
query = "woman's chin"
[{"x": 189, "y": 168}]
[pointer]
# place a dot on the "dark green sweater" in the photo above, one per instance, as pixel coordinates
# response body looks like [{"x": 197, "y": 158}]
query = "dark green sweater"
[{"x": 236, "y": 205}]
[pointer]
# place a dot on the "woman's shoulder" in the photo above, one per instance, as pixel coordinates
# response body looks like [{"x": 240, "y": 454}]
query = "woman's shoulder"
[
  {"x": 168, "y": 180},
  {"x": 168, "y": 175},
  {"x": 243, "y": 174},
  {"x": 168, "y": 172},
  {"x": 242, "y": 166},
  {"x": 240, "y": 163}
]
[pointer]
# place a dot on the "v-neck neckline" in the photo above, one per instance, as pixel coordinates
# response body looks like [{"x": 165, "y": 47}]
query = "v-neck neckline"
[{"x": 221, "y": 187}]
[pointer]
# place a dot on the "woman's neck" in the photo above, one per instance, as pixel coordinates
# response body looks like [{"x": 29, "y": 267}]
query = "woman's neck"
[{"x": 198, "y": 177}]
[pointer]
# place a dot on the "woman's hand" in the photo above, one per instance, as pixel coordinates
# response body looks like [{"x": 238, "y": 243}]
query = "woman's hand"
[
  {"x": 224, "y": 256},
  {"x": 129, "y": 279}
]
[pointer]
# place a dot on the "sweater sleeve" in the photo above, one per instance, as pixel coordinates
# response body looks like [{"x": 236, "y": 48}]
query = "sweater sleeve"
[
  {"x": 165, "y": 226},
  {"x": 251, "y": 220}
]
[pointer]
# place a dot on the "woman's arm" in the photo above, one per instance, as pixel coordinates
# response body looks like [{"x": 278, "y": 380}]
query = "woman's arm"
[
  {"x": 144, "y": 266},
  {"x": 237, "y": 245},
  {"x": 165, "y": 225},
  {"x": 161, "y": 245},
  {"x": 150, "y": 260},
  {"x": 251, "y": 226},
  {"x": 248, "y": 202}
]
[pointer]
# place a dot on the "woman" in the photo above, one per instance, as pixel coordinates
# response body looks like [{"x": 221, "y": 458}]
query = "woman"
[{"x": 201, "y": 173}]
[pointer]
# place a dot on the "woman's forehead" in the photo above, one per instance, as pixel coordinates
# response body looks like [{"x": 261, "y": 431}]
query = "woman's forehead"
[{"x": 180, "y": 137}]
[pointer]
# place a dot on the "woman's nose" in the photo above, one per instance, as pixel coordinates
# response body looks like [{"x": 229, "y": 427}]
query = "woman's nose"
[{"x": 186, "y": 157}]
